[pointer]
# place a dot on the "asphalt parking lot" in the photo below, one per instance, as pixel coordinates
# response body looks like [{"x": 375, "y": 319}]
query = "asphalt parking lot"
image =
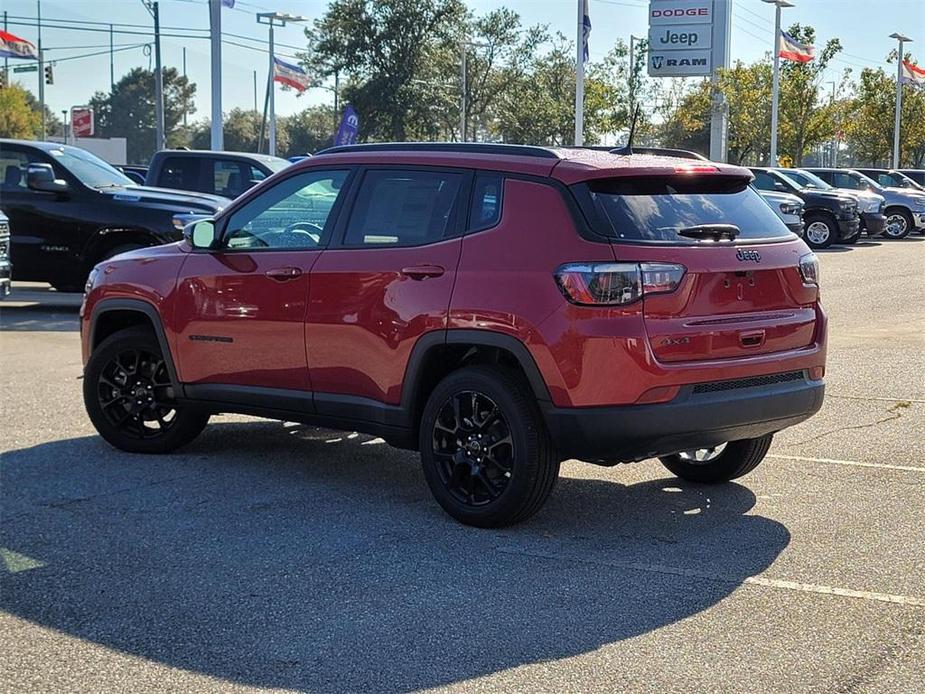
[{"x": 279, "y": 556}]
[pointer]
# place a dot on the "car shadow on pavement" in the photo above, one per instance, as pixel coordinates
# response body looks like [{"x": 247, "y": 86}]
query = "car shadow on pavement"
[{"x": 287, "y": 556}]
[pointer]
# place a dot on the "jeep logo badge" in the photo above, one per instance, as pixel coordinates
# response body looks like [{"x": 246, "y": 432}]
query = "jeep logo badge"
[{"x": 746, "y": 256}]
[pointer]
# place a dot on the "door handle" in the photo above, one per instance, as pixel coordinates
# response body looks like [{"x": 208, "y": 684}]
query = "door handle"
[
  {"x": 420, "y": 272},
  {"x": 283, "y": 274}
]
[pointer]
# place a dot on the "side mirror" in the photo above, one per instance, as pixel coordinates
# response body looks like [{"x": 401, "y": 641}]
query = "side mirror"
[
  {"x": 41, "y": 177},
  {"x": 200, "y": 235}
]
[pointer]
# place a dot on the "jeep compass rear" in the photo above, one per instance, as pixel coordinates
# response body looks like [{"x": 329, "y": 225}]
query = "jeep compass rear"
[{"x": 497, "y": 308}]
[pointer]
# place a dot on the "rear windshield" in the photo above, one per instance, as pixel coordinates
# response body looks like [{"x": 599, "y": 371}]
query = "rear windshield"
[{"x": 656, "y": 209}]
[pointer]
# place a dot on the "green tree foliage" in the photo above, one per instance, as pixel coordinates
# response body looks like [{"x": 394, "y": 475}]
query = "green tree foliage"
[
  {"x": 19, "y": 115},
  {"x": 128, "y": 111},
  {"x": 385, "y": 47}
]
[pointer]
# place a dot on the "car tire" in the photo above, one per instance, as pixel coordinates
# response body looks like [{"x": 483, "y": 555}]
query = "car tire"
[
  {"x": 129, "y": 396},
  {"x": 821, "y": 231},
  {"x": 737, "y": 458},
  {"x": 899, "y": 223},
  {"x": 485, "y": 450}
]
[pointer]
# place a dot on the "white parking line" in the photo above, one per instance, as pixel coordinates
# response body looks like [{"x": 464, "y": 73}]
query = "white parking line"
[
  {"x": 819, "y": 589},
  {"x": 856, "y": 463}
]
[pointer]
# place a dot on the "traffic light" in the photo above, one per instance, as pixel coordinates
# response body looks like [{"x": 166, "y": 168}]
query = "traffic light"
[{"x": 49, "y": 74}]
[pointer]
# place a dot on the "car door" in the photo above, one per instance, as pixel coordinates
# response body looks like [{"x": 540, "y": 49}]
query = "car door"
[
  {"x": 240, "y": 309},
  {"x": 45, "y": 234},
  {"x": 385, "y": 283}
]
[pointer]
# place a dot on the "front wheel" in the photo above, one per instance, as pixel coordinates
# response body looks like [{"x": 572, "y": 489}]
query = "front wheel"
[
  {"x": 821, "y": 231},
  {"x": 898, "y": 223},
  {"x": 721, "y": 463},
  {"x": 487, "y": 456},
  {"x": 130, "y": 398}
]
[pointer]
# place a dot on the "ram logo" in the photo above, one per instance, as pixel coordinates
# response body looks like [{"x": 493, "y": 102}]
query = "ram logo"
[
  {"x": 748, "y": 256},
  {"x": 657, "y": 62}
]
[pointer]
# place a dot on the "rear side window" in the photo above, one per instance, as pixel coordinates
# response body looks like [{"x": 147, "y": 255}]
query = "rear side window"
[
  {"x": 228, "y": 177},
  {"x": 657, "y": 209},
  {"x": 181, "y": 173},
  {"x": 403, "y": 208},
  {"x": 486, "y": 201}
]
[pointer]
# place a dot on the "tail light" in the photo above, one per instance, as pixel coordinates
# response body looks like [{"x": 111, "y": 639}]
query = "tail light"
[
  {"x": 615, "y": 284},
  {"x": 809, "y": 268}
]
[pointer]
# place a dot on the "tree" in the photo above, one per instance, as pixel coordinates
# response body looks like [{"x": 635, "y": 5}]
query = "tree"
[
  {"x": 18, "y": 119},
  {"x": 385, "y": 48},
  {"x": 748, "y": 92},
  {"x": 310, "y": 130},
  {"x": 128, "y": 111}
]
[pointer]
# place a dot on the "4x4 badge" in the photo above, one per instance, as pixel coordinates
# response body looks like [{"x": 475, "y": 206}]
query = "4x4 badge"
[{"x": 746, "y": 256}]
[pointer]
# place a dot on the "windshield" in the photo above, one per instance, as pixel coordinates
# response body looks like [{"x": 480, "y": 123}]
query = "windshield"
[
  {"x": 901, "y": 180},
  {"x": 657, "y": 209},
  {"x": 88, "y": 168},
  {"x": 807, "y": 179},
  {"x": 865, "y": 181},
  {"x": 276, "y": 164}
]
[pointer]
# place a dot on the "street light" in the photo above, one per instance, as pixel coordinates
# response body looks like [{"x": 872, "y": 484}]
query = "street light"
[
  {"x": 902, "y": 38},
  {"x": 275, "y": 19},
  {"x": 775, "y": 85}
]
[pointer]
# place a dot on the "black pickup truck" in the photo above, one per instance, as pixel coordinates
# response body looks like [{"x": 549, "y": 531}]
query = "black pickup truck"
[
  {"x": 828, "y": 217},
  {"x": 221, "y": 173},
  {"x": 68, "y": 210}
]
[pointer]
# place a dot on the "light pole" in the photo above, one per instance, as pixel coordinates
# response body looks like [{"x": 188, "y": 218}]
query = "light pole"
[
  {"x": 64, "y": 113},
  {"x": 273, "y": 20},
  {"x": 775, "y": 83},
  {"x": 463, "y": 45},
  {"x": 899, "y": 95}
]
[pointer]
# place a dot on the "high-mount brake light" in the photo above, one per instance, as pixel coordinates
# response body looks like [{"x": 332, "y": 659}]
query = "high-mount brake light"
[
  {"x": 695, "y": 168},
  {"x": 616, "y": 284}
]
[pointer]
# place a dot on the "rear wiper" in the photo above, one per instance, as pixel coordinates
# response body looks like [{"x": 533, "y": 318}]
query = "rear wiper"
[{"x": 710, "y": 231}]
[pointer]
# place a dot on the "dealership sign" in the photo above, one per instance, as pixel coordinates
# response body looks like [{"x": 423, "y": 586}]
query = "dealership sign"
[
  {"x": 681, "y": 38},
  {"x": 82, "y": 121}
]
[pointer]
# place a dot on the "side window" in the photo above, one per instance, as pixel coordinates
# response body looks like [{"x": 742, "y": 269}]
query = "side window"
[
  {"x": 763, "y": 181},
  {"x": 13, "y": 168},
  {"x": 181, "y": 173},
  {"x": 403, "y": 208},
  {"x": 886, "y": 180},
  {"x": 294, "y": 214},
  {"x": 227, "y": 178},
  {"x": 845, "y": 181},
  {"x": 256, "y": 174},
  {"x": 486, "y": 201}
]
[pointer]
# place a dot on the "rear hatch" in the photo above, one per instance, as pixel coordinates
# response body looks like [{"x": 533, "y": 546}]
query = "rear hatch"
[{"x": 742, "y": 292}]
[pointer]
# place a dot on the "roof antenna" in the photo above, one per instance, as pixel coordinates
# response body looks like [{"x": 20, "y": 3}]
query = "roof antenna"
[{"x": 628, "y": 147}]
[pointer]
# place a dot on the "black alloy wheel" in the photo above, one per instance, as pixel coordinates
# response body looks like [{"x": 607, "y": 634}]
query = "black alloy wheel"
[
  {"x": 135, "y": 393},
  {"x": 130, "y": 397},
  {"x": 473, "y": 448}
]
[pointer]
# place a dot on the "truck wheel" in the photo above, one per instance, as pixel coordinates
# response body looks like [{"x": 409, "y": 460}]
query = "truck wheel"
[
  {"x": 487, "y": 456},
  {"x": 130, "y": 399},
  {"x": 821, "y": 231},
  {"x": 720, "y": 464},
  {"x": 898, "y": 223}
]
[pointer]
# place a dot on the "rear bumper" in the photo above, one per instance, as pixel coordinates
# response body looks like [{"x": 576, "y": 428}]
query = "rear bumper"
[
  {"x": 873, "y": 223},
  {"x": 918, "y": 218},
  {"x": 692, "y": 420}
]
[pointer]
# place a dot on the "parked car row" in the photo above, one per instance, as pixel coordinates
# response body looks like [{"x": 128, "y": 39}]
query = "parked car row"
[{"x": 841, "y": 204}]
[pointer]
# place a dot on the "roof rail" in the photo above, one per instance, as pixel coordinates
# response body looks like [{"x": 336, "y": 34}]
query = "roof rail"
[
  {"x": 463, "y": 147},
  {"x": 664, "y": 152}
]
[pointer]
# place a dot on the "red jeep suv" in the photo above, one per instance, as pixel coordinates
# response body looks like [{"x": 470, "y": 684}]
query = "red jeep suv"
[{"x": 498, "y": 308}]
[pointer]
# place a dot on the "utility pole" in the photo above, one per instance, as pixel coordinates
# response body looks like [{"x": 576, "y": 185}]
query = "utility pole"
[
  {"x": 775, "y": 83},
  {"x": 64, "y": 113},
  {"x": 218, "y": 132},
  {"x": 38, "y": 4},
  {"x": 899, "y": 96},
  {"x": 112, "y": 68},
  {"x": 6, "y": 61},
  {"x": 160, "y": 140},
  {"x": 580, "y": 77},
  {"x": 255, "y": 91}
]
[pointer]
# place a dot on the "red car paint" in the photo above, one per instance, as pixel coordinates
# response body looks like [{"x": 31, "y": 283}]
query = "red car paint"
[{"x": 347, "y": 320}]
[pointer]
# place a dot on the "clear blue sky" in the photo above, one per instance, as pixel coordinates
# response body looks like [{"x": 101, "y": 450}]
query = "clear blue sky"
[{"x": 862, "y": 25}]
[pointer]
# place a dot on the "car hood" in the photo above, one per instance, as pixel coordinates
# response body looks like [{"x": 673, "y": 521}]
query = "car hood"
[
  {"x": 778, "y": 197},
  {"x": 827, "y": 195},
  {"x": 180, "y": 201},
  {"x": 860, "y": 195}
]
